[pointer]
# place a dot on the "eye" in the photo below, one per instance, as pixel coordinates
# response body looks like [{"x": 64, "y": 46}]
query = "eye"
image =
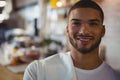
[
  {"x": 76, "y": 23},
  {"x": 93, "y": 23}
]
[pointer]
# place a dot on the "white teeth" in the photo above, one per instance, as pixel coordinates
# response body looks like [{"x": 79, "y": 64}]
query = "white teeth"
[
  {"x": 84, "y": 39},
  {"x": 78, "y": 37}
]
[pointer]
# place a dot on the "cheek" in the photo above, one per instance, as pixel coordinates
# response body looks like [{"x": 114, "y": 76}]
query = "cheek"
[
  {"x": 74, "y": 30},
  {"x": 70, "y": 33},
  {"x": 98, "y": 34}
]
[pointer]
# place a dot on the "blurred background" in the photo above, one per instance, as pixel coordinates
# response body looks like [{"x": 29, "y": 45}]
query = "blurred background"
[{"x": 35, "y": 29}]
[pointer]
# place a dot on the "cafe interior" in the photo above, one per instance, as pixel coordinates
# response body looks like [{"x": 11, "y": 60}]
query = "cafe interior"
[{"x": 35, "y": 29}]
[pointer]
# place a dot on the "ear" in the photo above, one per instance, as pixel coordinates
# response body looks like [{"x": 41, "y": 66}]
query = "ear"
[
  {"x": 103, "y": 31},
  {"x": 67, "y": 30}
]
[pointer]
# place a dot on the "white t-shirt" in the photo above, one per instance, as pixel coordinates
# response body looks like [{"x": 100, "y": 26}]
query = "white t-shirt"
[
  {"x": 103, "y": 72},
  {"x": 60, "y": 67}
]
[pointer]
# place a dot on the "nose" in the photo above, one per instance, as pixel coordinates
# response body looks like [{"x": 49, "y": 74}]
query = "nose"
[{"x": 85, "y": 29}]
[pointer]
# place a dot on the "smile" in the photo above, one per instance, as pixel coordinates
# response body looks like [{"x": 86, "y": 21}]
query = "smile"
[{"x": 84, "y": 38}]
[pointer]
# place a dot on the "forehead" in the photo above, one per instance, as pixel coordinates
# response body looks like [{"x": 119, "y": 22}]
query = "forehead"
[{"x": 84, "y": 13}]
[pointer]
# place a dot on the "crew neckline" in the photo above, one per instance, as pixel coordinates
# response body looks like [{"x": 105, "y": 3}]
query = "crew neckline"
[
  {"x": 91, "y": 71},
  {"x": 88, "y": 71}
]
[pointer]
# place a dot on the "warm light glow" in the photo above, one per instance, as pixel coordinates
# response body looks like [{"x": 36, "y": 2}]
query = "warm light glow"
[
  {"x": 2, "y": 3},
  {"x": 59, "y": 4},
  {"x": 53, "y": 3}
]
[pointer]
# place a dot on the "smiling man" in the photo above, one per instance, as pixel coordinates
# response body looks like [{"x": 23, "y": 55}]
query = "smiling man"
[{"x": 85, "y": 30}]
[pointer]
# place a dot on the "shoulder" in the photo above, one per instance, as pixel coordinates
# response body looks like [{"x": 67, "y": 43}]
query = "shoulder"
[
  {"x": 31, "y": 71},
  {"x": 50, "y": 63},
  {"x": 112, "y": 71},
  {"x": 31, "y": 68},
  {"x": 49, "y": 60},
  {"x": 54, "y": 59}
]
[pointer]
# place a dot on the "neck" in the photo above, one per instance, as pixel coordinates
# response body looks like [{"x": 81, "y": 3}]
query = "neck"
[{"x": 87, "y": 61}]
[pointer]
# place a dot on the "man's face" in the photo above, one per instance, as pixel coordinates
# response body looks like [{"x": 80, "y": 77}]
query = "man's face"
[{"x": 85, "y": 29}]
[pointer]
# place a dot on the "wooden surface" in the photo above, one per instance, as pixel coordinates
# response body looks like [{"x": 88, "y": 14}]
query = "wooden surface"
[{"x": 6, "y": 74}]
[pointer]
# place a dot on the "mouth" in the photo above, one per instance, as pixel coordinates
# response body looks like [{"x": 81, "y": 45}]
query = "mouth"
[{"x": 84, "y": 39}]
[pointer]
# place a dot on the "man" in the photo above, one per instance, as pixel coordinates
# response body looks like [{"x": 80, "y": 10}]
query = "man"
[{"x": 85, "y": 29}]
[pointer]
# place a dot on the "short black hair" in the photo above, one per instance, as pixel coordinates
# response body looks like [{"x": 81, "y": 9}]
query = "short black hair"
[{"x": 87, "y": 4}]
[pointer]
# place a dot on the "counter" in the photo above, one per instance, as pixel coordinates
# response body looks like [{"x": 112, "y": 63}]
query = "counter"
[{"x": 6, "y": 74}]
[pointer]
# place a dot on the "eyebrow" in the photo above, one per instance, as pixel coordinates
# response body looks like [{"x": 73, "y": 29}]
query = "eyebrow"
[
  {"x": 97, "y": 20},
  {"x": 75, "y": 20}
]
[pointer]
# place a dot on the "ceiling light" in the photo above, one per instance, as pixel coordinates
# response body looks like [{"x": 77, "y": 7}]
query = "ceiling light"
[{"x": 59, "y": 4}]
